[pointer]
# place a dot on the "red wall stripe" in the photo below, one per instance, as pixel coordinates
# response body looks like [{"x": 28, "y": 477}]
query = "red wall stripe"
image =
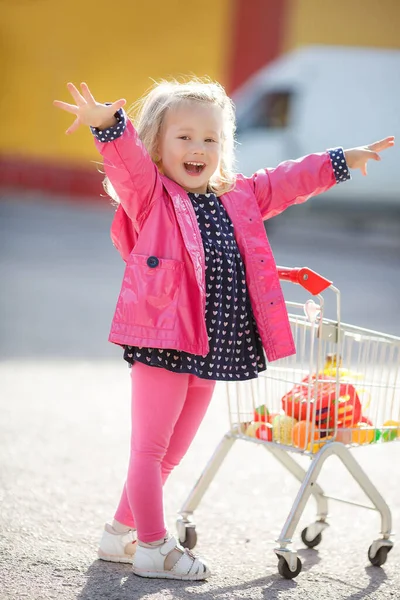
[
  {"x": 258, "y": 29},
  {"x": 22, "y": 173}
]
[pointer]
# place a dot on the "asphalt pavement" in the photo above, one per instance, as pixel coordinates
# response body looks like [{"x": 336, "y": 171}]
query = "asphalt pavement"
[{"x": 64, "y": 425}]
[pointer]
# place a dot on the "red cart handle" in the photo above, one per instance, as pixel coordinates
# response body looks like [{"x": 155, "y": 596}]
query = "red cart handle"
[{"x": 308, "y": 279}]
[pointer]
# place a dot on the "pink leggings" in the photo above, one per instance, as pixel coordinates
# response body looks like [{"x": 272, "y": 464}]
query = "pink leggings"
[{"x": 167, "y": 409}]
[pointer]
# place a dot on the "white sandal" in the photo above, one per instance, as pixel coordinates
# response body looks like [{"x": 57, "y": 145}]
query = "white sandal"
[
  {"x": 117, "y": 547},
  {"x": 150, "y": 562}
]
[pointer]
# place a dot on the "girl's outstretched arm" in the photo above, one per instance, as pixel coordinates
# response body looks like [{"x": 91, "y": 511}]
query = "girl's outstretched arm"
[
  {"x": 295, "y": 181},
  {"x": 127, "y": 164}
]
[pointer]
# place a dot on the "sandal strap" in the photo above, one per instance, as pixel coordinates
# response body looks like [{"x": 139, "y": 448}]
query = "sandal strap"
[
  {"x": 169, "y": 545},
  {"x": 188, "y": 565}
]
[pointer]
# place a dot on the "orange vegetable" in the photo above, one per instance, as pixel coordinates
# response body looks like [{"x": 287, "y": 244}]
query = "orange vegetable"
[
  {"x": 302, "y": 434},
  {"x": 362, "y": 435}
]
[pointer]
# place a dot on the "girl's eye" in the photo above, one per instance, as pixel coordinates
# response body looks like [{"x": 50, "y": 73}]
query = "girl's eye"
[
  {"x": 184, "y": 137},
  {"x": 210, "y": 140}
]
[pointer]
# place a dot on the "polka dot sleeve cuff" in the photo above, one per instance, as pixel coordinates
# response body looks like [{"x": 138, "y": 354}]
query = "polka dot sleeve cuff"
[
  {"x": 111, "y": 133},
  {"x": 339, "y": 165}
]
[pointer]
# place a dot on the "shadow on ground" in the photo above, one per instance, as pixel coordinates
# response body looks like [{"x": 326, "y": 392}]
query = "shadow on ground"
[{"x": 117, "y": 582}]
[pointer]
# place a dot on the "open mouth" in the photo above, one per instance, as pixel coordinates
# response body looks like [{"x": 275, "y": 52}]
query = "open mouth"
[{"x": 194, "y": 168}]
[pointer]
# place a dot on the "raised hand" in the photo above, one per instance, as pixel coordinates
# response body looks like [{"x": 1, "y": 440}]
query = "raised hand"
[
  {"x": 87, "y": 110},
  {"x": 357, "y": 158}
]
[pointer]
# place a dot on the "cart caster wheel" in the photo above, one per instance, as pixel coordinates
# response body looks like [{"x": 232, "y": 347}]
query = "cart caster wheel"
[
  {"x": 380, "y": 557},
  {"x": 310, "y": 543},
  {"x": 284, "y": 570},
  {"x": 190, "y": 539}
]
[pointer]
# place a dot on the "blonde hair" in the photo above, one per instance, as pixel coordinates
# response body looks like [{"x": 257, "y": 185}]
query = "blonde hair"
[{"x": 148, "y": 113}]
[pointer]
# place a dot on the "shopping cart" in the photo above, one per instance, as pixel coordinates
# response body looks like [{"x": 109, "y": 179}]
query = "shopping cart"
[{"x": 341, "y": 389}]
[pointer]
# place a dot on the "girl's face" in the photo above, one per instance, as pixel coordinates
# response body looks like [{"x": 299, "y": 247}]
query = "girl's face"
[{"x": 190, "y": 144}]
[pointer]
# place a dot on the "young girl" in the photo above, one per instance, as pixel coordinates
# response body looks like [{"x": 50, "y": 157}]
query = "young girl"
[{"x": 200, "y": 299}]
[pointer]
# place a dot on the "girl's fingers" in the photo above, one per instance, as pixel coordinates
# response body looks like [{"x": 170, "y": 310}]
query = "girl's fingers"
[
  {"x": 382, "y": 144},
  {"x": 375, "y": 156},
  {"x": 80, "y": 100},
  {"x": 87, "y": 93},
  {"x": 370, "y": 155},
  {"x": 118, "y": 104},
  {"x": 65, "y": 106},
  {"x": 73, "y": 127}
]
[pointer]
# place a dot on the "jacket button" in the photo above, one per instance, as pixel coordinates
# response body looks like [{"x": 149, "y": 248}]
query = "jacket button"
[{"x": 152, "y": 262}]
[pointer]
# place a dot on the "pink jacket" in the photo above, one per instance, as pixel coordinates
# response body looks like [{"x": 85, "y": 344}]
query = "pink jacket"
[{"x": 162, "y": 298}]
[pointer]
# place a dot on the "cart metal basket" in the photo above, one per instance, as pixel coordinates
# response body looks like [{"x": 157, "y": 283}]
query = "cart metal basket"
[{"x": 341, "y": 389}]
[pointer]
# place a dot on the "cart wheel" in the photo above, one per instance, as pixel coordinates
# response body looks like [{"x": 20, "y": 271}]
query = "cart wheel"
[
  {"x": 310, "y": 543},
  {"x": 380, "y": 557},
  {"x": 284, "y": 570},
  {"x": 190, "y": 538}
]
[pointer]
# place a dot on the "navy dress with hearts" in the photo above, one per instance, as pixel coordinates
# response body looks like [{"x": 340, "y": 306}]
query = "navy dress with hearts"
[{"x": 236, "y": 351}]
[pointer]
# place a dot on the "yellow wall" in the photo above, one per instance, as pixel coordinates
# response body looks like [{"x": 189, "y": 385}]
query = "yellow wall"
[
  {"x": 115, "y": 46},
  {"x": 374, "y": 23}
]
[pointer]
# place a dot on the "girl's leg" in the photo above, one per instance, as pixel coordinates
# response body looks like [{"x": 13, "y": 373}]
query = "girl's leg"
[
  {"x": 198, "y": 398},
  {"x": 158, "y": 397},
  {"x": 123, "y": 514}
]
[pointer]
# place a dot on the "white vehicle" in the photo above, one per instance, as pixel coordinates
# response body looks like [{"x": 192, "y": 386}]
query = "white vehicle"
[{"x": 319, "y": 97}]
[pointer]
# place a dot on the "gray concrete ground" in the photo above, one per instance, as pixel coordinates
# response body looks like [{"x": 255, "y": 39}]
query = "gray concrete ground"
[{"x": 64, "y": 427}]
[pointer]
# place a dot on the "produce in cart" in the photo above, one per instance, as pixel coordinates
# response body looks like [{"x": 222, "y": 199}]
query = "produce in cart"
[
  {"x": 314, "y": 400},
  {"x": 304, "y": 432},
  {"x": 282, "y": 429},
  {"x": 260, "y": 430}
]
